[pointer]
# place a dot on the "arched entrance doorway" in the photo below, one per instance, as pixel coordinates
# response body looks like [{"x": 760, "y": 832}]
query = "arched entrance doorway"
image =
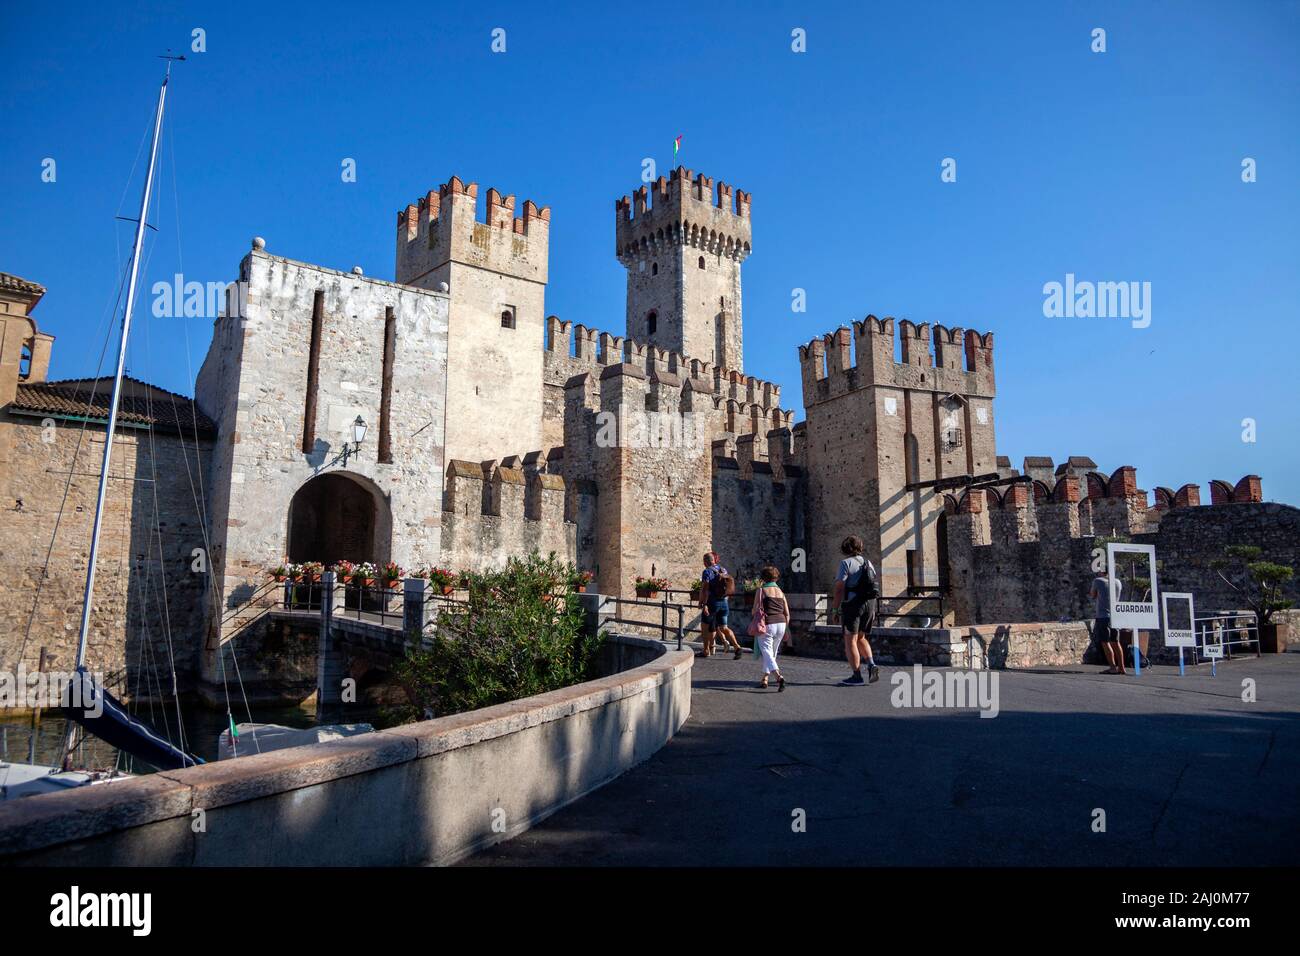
[{"x": 336, "y": 517}]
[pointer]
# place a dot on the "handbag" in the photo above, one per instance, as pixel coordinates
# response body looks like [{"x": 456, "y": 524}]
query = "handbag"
[{"x": 758, "y": 617}]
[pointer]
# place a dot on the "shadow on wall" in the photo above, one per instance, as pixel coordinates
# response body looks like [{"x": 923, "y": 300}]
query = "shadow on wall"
[{"x": 998, "y": 648}]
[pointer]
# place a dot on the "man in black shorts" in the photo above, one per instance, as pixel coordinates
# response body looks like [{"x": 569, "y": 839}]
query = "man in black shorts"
[
  {"x": 1102, "y": 632},
  {"x": 855, "y": 593}
]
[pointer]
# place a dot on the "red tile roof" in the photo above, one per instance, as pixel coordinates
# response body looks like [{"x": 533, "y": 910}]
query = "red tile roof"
[{"x": 140, "y": 404}]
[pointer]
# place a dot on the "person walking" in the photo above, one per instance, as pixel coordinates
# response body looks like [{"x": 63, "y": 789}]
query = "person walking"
[
  {"x": 715, "y": 586},
  {"x": 856, "y": 590},
  {"x": 1102, "y": 632},
  {"x": 706, "y": 623},
  {"x": 770, "y": 602}
]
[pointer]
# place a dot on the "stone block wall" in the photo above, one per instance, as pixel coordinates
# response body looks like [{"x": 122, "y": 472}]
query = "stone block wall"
[
  {"x": 151, "y": 531},
  {"x": 758, "y": 516},
  {"x": 1189, "y": 539},
  {"x": 254, "y": 382},
  {"x": 732, "y": 403},
  {"x": 493, "y": 511},
  {"x": 1014, "y": 558},
  {"x": 1033, "y": 644}
]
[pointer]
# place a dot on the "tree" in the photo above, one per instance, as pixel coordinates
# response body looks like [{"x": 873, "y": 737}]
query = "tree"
[{"x": 1259, "y": 582}]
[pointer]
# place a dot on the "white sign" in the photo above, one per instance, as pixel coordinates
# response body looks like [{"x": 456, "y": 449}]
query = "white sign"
[
  {"x": 1213, "y": 649},
  {"x": 1139, "y": 610},
  {"x": 1176, "y": 635},
  {"x": 891, "y": 406}
]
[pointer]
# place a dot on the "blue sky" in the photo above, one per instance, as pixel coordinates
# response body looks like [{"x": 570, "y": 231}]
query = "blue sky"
[{"x": 1115, "y": 166}]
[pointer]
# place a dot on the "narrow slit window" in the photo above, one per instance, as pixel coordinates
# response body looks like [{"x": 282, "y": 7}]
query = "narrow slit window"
[{"x": 508, "y": 317}]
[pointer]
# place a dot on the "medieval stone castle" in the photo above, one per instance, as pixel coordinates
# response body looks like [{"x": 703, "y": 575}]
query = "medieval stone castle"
[{"x": 491, "y": 429}]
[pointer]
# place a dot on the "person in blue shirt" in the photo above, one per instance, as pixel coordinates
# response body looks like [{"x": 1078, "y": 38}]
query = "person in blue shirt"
[{"x": 716, "y": 618}]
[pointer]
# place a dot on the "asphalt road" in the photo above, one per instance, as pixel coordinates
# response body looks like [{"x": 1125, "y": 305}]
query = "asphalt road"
[{"x": 1186, "y": 772}]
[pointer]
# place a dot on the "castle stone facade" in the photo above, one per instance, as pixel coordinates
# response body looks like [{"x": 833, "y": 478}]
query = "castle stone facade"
[{"x": 444, "y": 418}]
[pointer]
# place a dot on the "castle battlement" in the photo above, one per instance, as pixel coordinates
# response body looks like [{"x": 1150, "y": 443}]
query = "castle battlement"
[
  {"x": 573, "y": 349},
  {"x": 1093, "y": 503},
  {"x": 683, "y": 209},
  {"x": 443, "y": 226},
  {"x": 934, "y": 358},
  {"x": 757, "y": 454},
  {"x": 511, "y": 505}
]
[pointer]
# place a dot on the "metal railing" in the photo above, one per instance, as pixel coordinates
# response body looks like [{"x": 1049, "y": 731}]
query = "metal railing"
[
  {"x": 924, "y": 603},
  {"x": 667, "y": 631},
  {"x": 1228, "y": 628}
]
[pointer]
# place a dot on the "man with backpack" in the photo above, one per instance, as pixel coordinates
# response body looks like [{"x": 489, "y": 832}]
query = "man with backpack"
[
  {"x": 856, "y": 590},
  {"x": 716, "y": 585}
]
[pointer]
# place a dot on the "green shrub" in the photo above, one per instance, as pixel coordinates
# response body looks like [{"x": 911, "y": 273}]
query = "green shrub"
[{"x": 521, "y": 633}]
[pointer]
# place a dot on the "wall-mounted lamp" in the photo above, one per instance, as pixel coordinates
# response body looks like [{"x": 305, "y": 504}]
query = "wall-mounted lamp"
[{"x": 358, "y": 436}]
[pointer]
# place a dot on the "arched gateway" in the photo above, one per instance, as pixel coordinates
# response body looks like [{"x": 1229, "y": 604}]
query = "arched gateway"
[{"x": 339, "y": 516}]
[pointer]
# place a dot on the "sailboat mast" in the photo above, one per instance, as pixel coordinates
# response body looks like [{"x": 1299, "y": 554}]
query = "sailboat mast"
[{"x": 117, "y": 381}]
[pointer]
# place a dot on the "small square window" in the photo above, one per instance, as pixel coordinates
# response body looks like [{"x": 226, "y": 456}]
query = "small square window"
[{"x": 508, "y": 317}]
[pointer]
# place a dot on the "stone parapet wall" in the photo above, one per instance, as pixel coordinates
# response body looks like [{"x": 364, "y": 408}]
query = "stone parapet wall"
[
  {"x": 1050, "y": 644},
  {"x": 425, "y": 793}
]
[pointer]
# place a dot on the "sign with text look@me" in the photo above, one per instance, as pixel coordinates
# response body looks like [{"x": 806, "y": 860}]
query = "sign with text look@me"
[{"x": 1179, "y": 614}]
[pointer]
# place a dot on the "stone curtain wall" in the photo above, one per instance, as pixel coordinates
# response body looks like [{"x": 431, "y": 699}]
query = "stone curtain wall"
[
  {"x": 254, "y": 382},
  {"x": 1007, "y": 566},
  {"x": 734, "y": 404},
  {"x": 494, "y": 512},
  {"x": 653, "y": 507},
  {"x": 639, "y": 509},
  {"x": 1190, "y": 538},
  {"x": 128, "y": 606},
  {"x": 757, "y": 519}
]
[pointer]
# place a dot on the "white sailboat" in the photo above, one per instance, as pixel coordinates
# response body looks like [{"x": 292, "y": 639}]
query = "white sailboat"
[{"x": 84, "y": 702}]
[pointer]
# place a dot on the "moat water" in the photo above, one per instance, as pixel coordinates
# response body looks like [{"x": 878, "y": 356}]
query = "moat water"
[{"x": 203, "y": 727}]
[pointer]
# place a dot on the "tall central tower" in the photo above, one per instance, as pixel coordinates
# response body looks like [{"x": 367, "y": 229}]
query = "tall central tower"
[{"x": 682, "y": 249}]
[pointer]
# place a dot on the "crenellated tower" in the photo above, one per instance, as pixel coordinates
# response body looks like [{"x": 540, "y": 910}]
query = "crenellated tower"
[
  {"x": 495, "y": 270},
  {"x": 879, "y": 427},
  {"x": 682, "y": 240}
]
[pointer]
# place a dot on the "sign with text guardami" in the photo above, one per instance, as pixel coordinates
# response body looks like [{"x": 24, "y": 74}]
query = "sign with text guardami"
[{"x": 1134, "y": 594}]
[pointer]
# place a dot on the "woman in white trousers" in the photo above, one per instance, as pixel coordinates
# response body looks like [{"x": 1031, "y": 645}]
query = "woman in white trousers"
[{"x": 777, "y": 611}]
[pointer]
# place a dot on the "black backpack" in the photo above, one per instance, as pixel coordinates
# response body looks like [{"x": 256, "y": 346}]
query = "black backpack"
[{"x": 864, "y": 589}]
